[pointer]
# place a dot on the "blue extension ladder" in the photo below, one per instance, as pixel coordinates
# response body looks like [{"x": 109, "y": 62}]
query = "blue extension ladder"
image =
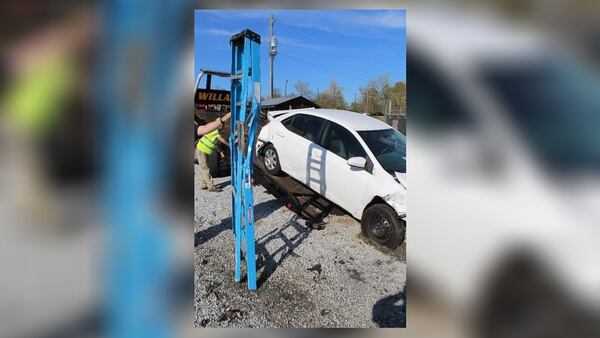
[{"x": 245, "y": 87}]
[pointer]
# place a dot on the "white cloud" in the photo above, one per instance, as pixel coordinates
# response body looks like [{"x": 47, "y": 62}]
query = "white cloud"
[
  {"x": 218, "y": 32},
  {"x": 285, "y": 41},
  {"x": 356, "y": 24},
  {"x": 239, "y": 14},
  {"x": 307, "y": 24},
  {"x": 391, "y": 19}
]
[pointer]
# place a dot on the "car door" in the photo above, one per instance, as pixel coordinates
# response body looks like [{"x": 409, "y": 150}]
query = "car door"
[
  {"x": 295, "y": 141},
  {"x": 344, "y": 185}
]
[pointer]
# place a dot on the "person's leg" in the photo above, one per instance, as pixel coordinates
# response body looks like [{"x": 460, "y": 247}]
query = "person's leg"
[
  {"x": 203, "y": 166},
  {"x": 204, "y": 171}
]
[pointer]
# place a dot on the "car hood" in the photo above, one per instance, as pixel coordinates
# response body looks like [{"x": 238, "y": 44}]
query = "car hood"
[{"x": 401, "y": 177}]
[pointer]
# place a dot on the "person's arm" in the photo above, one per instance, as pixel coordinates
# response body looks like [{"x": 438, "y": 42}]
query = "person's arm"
[
  {"x": 218, "y": 123},
  {"x": 222, "y": 140}
]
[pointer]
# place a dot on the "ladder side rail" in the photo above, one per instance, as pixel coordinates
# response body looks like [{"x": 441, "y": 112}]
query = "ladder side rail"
[
  {"x": 241, "y": 123},
  {"x": 236, "y": 164},
  {"x": 254, "y": 90}
]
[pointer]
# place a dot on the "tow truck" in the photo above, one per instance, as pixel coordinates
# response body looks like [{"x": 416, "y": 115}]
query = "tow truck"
[{"x": 210, "y": 104}]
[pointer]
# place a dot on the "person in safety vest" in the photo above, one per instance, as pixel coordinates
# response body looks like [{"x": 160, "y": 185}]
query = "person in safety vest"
[
  {"x": 216, "y": 124},
  {"x": 208, "y": 144}
]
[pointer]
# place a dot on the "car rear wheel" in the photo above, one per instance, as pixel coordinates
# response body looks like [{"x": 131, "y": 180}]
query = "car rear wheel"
[
  {"x": 524, "y": 299},
  {"x": 381, "y": 224},
  {"x": 271, "y": 160}
]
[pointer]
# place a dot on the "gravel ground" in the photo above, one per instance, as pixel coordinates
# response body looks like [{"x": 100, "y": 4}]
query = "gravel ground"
[{"x": 306, "y": 277}]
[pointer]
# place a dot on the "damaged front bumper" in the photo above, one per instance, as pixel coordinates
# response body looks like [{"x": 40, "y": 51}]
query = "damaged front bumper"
[{"x": 398, "y": 202}]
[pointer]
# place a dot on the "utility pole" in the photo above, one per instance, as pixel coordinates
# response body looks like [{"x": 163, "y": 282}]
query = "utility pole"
[
  {"x": 272, "y": 53},
  {"x": 285, "y": 88}
]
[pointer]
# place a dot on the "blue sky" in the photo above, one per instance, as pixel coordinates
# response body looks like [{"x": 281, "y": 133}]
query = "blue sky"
[{"x": 350, "y": 46}]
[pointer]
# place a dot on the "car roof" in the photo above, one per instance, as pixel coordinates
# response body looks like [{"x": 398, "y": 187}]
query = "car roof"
[{"x": 349, "y": 119}]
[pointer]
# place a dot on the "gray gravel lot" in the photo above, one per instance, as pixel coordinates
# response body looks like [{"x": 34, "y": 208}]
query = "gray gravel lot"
[{"x": 306, "y": 277}]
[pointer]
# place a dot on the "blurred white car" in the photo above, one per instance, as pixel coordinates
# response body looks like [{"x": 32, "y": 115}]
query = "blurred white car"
[
  {"x": 503, "y": 137},
  {"x": 355, "y": 161}
]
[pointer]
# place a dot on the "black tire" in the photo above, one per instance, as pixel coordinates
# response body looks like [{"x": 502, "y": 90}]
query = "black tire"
[
  {"x": 523, "y": 299},
  {"x": 271, "y": 160},
  {"x": 381, "y": 224}
]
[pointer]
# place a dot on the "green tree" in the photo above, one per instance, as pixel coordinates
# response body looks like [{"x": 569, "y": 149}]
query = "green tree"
[
  {"x": 356, "y": 106},
  {"x": 332, "y": 97},
  {"x": 397, "y": 94},
  {"x": 377, "y": 93},
  {"x": 371, "y": 99}
]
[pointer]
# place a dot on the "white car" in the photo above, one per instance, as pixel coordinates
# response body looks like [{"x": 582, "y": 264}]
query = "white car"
[{"x": 355, "y": 161}]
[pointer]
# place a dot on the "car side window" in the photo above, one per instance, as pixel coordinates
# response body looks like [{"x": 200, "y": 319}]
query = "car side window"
[
  {"x": 287, "y": 123},
  {"x": 433, "y": 103},
  {"x": 341, "y": 142},
  {"x": 307, "y": 126}
]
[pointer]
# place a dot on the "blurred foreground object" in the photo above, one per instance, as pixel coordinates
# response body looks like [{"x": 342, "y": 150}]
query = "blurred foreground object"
[
  {"x": 139, "y": 91},
  {"x": 68, "y": 270},
  {"x": 501, "y": 135},
  {"x": 49, "y": 238},
  {"x": 45, "y": 77}
]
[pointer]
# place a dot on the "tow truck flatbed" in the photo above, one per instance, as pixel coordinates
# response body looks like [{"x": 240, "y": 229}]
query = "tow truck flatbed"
[{"x": 298, "y": 197}]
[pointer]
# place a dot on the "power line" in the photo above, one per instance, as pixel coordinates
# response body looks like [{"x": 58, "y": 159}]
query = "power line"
[{"x": 321, "y": 67}]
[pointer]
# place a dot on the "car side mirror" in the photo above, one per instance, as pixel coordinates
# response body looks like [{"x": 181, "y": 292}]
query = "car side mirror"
[{"x": 357, "y": 162}]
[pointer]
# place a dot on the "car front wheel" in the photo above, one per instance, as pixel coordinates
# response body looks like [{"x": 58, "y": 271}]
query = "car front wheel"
[
  {"x": 381, "y": 224},
  {"x": 271, "y": 160}
]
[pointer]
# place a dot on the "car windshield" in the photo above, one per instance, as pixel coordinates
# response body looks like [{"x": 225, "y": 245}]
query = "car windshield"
[
  {"x": 388, "y": 146},
  {"x": 556, "y": 106}
]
